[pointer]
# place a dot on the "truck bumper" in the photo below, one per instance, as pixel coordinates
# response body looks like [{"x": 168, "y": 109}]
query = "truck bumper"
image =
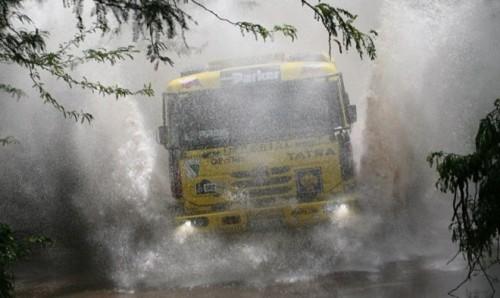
[{"x": 296, "y": 215}]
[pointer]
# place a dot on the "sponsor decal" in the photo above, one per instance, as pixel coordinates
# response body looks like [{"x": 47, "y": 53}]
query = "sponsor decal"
[
  {"x": 272, "y": 146},
  {"x": 248, "y": 76},
  {"x": 312, "y": 69},
  {"x": 265, "y": 147},
  {"x": 292, "y": 150},
  {"x": 192, "y": 167},
  {"x": 309, "y": 181},
  {"x": 229, "y": 157},
  {"x": 206, "y": 187},
  {"x": 226, "y": 160},
  {"x": 190, "y": 82}
]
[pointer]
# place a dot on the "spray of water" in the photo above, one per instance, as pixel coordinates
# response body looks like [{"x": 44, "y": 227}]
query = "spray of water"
[
  {"x": 107, "y": 183},
  {"x": 425, "y": 95}
]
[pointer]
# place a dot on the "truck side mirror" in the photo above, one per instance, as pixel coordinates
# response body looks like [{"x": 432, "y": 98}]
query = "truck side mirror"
[
  {"x": 163, "y": 135},
  {"x": 352, "y": 114}
]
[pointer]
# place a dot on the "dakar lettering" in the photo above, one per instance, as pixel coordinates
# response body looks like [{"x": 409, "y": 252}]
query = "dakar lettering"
[
  {"x": 315, "y": 153},
  {"x": 230, "y": 154},
  {"x": 211, "y": 154},
  {"x": 251, "y": 148},
  {"x": 226, "y": 160}
]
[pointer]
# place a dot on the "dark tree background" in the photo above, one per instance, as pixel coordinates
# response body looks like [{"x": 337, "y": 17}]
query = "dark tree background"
[{"x": 474, "y": 181}]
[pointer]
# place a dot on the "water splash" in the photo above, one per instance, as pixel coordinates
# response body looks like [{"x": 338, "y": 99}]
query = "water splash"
[
  {"x": 423, "y": 97},
  {"x": 135, "y": 161}
]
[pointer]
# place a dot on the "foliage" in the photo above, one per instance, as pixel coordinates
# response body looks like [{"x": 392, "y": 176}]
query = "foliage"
[
  {"x": 27, "y": 49},
  {"x": 13, "y": 249},
  {"x": 8, "y": 140},
  {"x": 339, "y": 21},
  {"x": 158, "y": 22},
  {"x": 474, "y": 180},
  {"x": 12, "y": 91},
  {"x": 257, "y": 30}
]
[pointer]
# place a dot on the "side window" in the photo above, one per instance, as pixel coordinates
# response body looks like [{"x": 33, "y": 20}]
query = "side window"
[{"x": 335, "y": 92}]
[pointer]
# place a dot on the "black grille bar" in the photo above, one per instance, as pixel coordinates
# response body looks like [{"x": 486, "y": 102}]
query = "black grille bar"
[
  {"x": 262, "y": 182},
  {"x": 256, "y": 172},
  {"x": 269, "y": 191}
]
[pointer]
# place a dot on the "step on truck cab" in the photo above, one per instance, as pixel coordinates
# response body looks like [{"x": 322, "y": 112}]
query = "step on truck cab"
[{"x": 259, "y": 143}]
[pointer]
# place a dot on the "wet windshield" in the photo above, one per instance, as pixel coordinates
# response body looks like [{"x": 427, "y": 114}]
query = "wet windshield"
[{"x": 256, "y": 113}]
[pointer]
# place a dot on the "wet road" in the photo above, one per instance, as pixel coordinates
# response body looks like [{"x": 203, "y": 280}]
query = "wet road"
[{"x": 398, "y": 279}]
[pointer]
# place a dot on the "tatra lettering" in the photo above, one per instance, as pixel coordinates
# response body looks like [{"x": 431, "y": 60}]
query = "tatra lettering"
[{"x": 319, "y": 152}]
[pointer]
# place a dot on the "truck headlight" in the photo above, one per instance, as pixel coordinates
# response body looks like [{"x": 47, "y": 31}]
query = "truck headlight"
[
  {"x": 337, "y": 209},
  {"x": 184, "y": 231}
]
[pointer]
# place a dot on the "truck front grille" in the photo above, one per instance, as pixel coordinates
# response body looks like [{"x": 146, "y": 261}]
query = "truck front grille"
[
  {"x": 262, "y": 182},
  {"x": 269, "y": 191}
]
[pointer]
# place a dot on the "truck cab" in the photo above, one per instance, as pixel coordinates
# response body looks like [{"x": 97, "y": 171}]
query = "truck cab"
[{"x": 260, "y": 142}]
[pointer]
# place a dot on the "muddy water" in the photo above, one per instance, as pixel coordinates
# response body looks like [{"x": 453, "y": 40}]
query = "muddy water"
[{"x": 393, "y": 280}]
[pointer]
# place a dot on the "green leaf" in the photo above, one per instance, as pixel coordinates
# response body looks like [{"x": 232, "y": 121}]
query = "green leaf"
[{"x": 474, "y": 181}]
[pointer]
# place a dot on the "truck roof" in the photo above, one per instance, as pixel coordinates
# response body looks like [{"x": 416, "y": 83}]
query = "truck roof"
[{"x": 253, "y": 70}]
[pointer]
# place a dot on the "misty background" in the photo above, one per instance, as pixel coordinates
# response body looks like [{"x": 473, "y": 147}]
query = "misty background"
[{"x": 101, "y": 191}]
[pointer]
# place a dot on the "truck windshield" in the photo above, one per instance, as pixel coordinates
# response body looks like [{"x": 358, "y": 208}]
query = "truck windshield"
[{"x": 255, "y": 113}]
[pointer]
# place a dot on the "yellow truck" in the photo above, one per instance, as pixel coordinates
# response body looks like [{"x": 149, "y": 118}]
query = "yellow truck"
[{"x": 259, "y": 143}]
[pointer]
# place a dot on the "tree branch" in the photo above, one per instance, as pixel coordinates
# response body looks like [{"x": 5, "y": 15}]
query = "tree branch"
[
  {"x": 256, "y": 29},
  {"x": 339, "y": 23},
  {"x": 8, "y": 140}
]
